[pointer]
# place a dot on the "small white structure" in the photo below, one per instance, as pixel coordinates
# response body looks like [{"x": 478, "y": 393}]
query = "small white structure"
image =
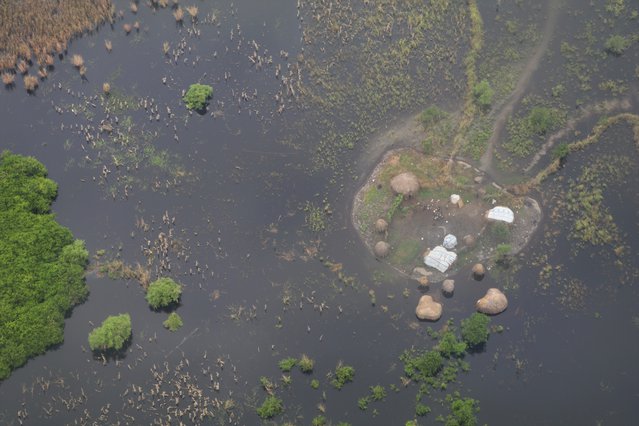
[
  {"x": 454, "y": 198},
  {"x": 500, "y": 213},
  {"x": 450, "y": 241},
  {"x": 440, "y": 258}
]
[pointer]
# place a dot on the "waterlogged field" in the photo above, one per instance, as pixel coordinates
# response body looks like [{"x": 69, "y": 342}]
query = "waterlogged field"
[{"x": 219, "y": 227}]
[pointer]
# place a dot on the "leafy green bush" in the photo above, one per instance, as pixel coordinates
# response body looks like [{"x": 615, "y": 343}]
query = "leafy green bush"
[
  {"x": 197, "y": 96},
  {"x": 462, "y": 411},
  {"x": 287, "y": 364},
  {"x": 173, "y": 322},
  {"x": 542, "y": 119},
  {"x": 343, "y": 375},
  {"x": 306, "y": 364},
  {"x": 112, "y": 334},
  {"x": 422, "y": 366},
  {"x": 378, "y": 392},
  {"x": 474, "y": 329},
  {"x": 315, "y": 384},
  {"x": 561, "y": 151},
  {"x": 363, "y": 402},
  {"x": 271, "y": 407},
  {"x": 163, "y": 292},
  {"x": 616, "y": 44},
  {"x": 483, "y": 94},
  {"x": 502, "y": 254},
  {"x": 449, "y": 345},
  {"x": 499, "y": 231},
  {"x": 41, "y": 266},
  {"x": 421, "y": 409}
]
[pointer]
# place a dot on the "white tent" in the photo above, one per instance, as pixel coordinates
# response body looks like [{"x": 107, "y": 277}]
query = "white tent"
[
  {"x": 500, "y": 213},
  {"x": 450, "y": 241},
  {"x": 440, "y": 258}
]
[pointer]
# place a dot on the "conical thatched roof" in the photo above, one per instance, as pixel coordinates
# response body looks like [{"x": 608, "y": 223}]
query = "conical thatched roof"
[{"x": 405, "y": 183}]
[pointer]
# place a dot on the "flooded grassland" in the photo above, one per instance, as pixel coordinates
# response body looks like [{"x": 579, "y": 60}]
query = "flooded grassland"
[{"x": 287, "y": 316}]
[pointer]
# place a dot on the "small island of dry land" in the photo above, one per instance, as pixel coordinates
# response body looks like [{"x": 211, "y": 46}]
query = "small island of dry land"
[{"x": 412, "y": 203}]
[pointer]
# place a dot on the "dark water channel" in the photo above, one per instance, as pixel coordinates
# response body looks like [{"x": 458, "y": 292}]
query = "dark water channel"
[{"x": 252, "y": 293}]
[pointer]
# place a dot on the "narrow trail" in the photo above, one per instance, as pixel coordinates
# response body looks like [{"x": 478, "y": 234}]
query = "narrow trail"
[{"x": 486, "y": 161}]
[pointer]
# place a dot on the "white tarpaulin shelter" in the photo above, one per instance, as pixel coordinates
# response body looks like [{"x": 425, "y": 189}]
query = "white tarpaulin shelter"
[
  {"x": 440, "y": 258},
  {"x": 500, "y": 213},
  {"x": 450, "y": 241}
]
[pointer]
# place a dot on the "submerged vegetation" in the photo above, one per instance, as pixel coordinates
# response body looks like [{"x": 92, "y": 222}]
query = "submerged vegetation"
[{"x": 41, "y": 265}]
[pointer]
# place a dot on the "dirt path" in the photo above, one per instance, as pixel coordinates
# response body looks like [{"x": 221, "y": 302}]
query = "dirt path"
[{"x": 486, "y": 161}]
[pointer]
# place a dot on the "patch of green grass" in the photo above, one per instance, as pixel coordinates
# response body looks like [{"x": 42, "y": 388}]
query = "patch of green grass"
[
  {"x": 524, "y": 130},
  {"x": 406, "y": 252}
]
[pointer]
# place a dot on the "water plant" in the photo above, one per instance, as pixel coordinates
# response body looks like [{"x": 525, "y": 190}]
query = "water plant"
[
  {"x": 343, "y": 374},
  {"x": 287, "y": 364},
  {"x": 114, "y": 332},
  {"x": 378, "y": 392},
  {"x": 271, "y": 407},
  {"x": 77, "y": 61},
  {"x": 8, "y": 78},
  {"x": 197, "y": 96},
  {"x": 363, "y": 402},
  {"x": 315, "y": 384},
  {"x": 30, "y": 82},
  {"x": 319, "y": 421},
  {"x": 616, "y": 44},
  {"x": 173, "y": 322},
  {"x": 163, "y": 292},
  {"x": 306, "y": 364}
]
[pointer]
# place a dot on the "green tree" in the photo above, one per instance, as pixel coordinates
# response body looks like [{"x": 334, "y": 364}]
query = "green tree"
[
  {"x": 197, "y": 96},
  {"x": 163, "y": 292},
  {"x": 41, "y": 265},
  {"x": 112, "y": 334},
  {"x": 173, "y": 322},
  {"x": 474, "y": 329}
]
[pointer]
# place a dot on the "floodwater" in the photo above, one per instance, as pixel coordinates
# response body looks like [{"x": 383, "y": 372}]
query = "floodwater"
[{"x": 255, "y": 290}]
